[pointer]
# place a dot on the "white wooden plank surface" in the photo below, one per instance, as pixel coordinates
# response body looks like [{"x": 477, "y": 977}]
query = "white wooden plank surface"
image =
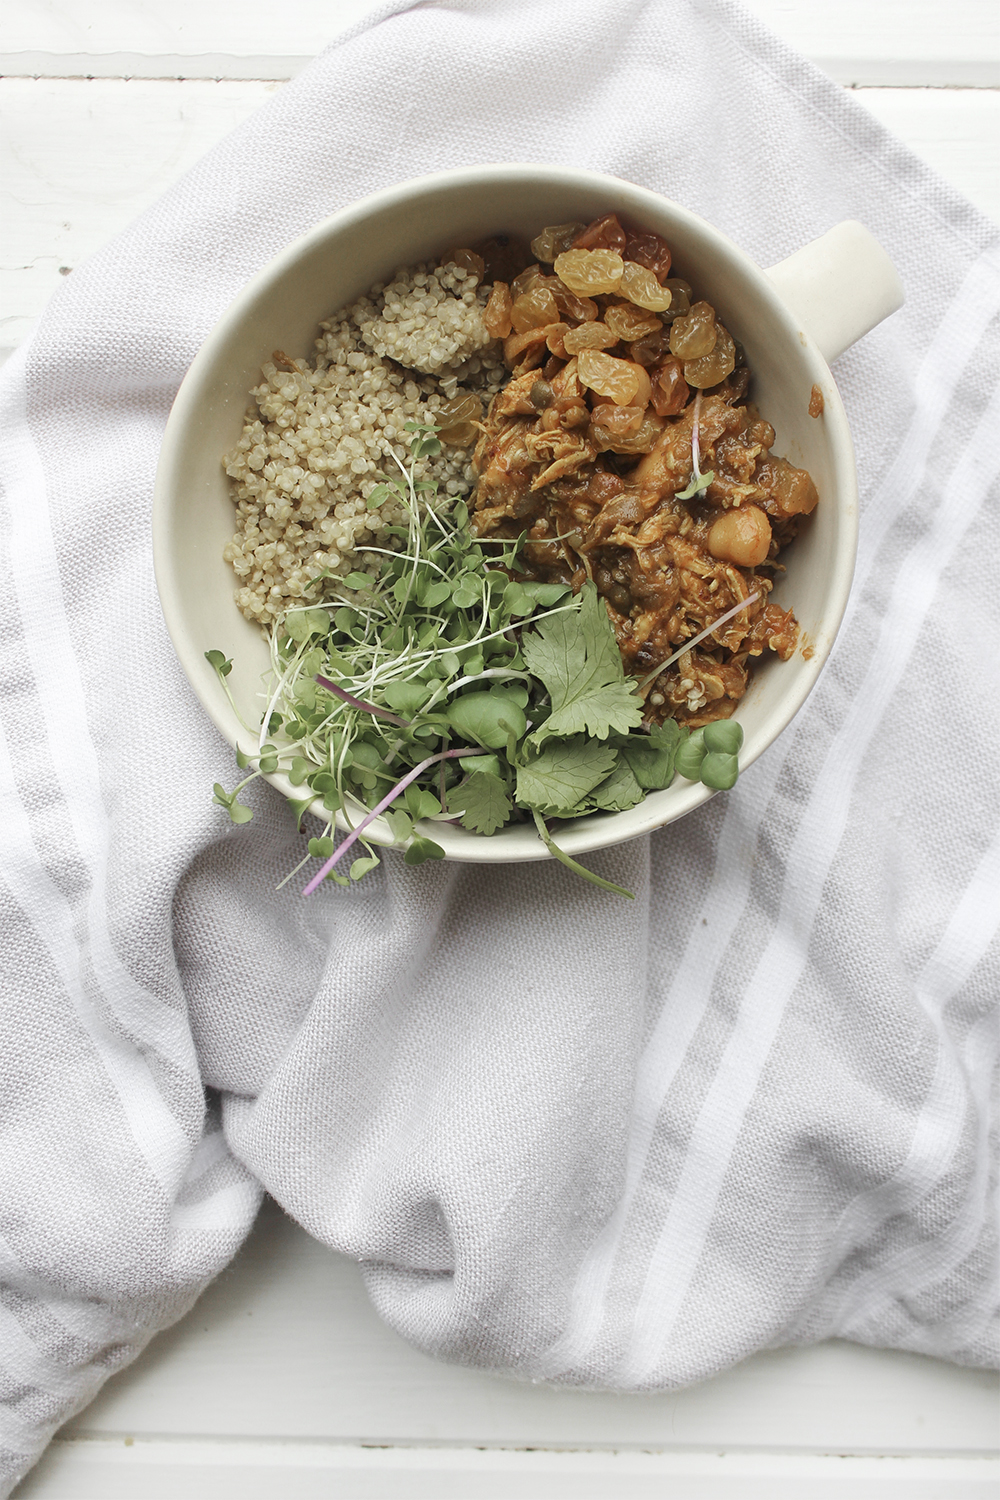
[
  {"x": 312, "y": 1471},
  {"x": 286, "y": 1342},
  {"x": 917, "y": 43},
  {"x": 285, "y": 1346},
  {"x": 80, "y": 160},
  {"x": 957, "y": 131}
]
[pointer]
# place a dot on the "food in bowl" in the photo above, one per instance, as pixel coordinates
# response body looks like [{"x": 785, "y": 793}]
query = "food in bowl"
[
  {"x": 322, "y": 433},
  {"x": 575, "y": 601}
]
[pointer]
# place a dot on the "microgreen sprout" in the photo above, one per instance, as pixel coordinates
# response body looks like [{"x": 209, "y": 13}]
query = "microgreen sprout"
[
  {"x": 442, "y": 685},
  {"x": 386, "y": 802},
  {"x": 697, "y": 639},
  {"x": 699, "y": 481},
  {"x": 368, "y": 708},
  {"x": 222, "y": 666}
]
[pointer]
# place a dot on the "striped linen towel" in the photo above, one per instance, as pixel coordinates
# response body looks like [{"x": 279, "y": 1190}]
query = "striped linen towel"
[{"x": 568, "y": 1137}]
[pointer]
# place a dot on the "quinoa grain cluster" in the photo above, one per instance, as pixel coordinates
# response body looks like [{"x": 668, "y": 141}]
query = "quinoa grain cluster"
[{"x": 322, "y": 436}]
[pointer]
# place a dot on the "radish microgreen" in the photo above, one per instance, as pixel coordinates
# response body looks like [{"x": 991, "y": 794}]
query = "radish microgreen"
[
  {"x": 437, "y": 685},
  {"x": 699, "y": 481}
]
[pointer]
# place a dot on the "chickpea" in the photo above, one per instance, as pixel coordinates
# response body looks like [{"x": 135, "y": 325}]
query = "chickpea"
[{"x": 741, "y": 536}]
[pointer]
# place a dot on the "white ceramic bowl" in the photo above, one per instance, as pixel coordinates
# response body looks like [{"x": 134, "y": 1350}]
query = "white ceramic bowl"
[{"x": 790, "y": 320}]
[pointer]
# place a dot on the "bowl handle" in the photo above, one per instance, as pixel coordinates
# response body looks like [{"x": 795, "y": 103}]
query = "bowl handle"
[{"x": 839, "y": 286}]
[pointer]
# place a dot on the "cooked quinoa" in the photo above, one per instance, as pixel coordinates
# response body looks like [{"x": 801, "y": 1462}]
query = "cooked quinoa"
[{"x": 321, "y": 436}]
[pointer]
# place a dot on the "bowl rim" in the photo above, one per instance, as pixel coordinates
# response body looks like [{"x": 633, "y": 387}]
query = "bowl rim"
[{"x": 595, "y": 831}]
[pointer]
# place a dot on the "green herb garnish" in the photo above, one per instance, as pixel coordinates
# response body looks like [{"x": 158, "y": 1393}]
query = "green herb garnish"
[{"x": 441, "y": 686}]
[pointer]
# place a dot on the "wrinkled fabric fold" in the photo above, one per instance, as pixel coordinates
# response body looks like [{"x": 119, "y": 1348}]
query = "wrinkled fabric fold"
[{"x": 568, "y": 1137}]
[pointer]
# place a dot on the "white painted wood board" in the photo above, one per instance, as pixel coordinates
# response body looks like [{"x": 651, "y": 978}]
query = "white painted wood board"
[
  {"x": 286, "y": 1342},
  {"x": 956, "y": 131},
  {"x": 283, "y": 1368},
  {"x": 281, "y": 1471},
  {"x": 80, "y": 160},
  {"x": 918, "y": 42}
]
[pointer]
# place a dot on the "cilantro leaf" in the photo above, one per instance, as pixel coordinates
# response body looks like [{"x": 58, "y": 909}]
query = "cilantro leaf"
[
  {"x": 558, "y": 779},
  {"x": 618, "y": 791},
  {"x": 651, "y": 757},
  {"x": 576, "y": 657},
  {"x": 482, "y": 801}
]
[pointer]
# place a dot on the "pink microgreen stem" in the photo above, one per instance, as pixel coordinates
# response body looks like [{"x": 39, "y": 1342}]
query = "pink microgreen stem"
[
  {"x": 696, "y": 640},
  {"x": 369, "y": 708},
  {"x": 387, "y": 801},
  {"x": 695, "y": 444}
]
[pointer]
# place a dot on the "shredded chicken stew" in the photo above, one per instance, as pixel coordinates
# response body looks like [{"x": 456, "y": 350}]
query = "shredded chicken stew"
[{"x": 625, "y": 449}]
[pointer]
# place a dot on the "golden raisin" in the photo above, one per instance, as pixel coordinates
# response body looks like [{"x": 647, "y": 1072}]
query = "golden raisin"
[
  {"x": 692, "y": 336},
  {"x": 467, "y": 260},
  {"x": 645, "y": 390},
  {"x": 554, "y": 239},
  {"x": 680, "y": 294},
  {"x": 571, "y": 307},
  {"x": 712, "y": 368},
  {"x": 532, "y": 357},
  {"x": 465, "y": 408},
  {"x": 650, "y": 350},
  {"x": 589, "y": 336},
  {"x": 604, "y": 233},
  {"x": 526, "y": 281},
  {"x": 515, "y": 346},
  {"x": 669, "y": 388},
  {"x": 629, "y": 322},
  {"x": 641, "y": 287},
  {"x": 496, "y": 314},
  {"x": 624, "y": 429},
  {"x": 816, "y": 402},
  {"x": 618, "y": 419},
  {"x": 534, "y": 309},
  {"x": 618, "y": 379},
  {"x": 590, "y": 272},
  {"x": 649, "y": 250},
  {"x": 460, "y": 435}
]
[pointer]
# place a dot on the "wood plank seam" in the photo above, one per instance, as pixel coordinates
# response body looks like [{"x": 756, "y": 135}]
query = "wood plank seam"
[{"x": 927, "y": 73}]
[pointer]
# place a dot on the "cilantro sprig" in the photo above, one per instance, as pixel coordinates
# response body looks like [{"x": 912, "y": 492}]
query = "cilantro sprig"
[{"x": 441, "y": 686}]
